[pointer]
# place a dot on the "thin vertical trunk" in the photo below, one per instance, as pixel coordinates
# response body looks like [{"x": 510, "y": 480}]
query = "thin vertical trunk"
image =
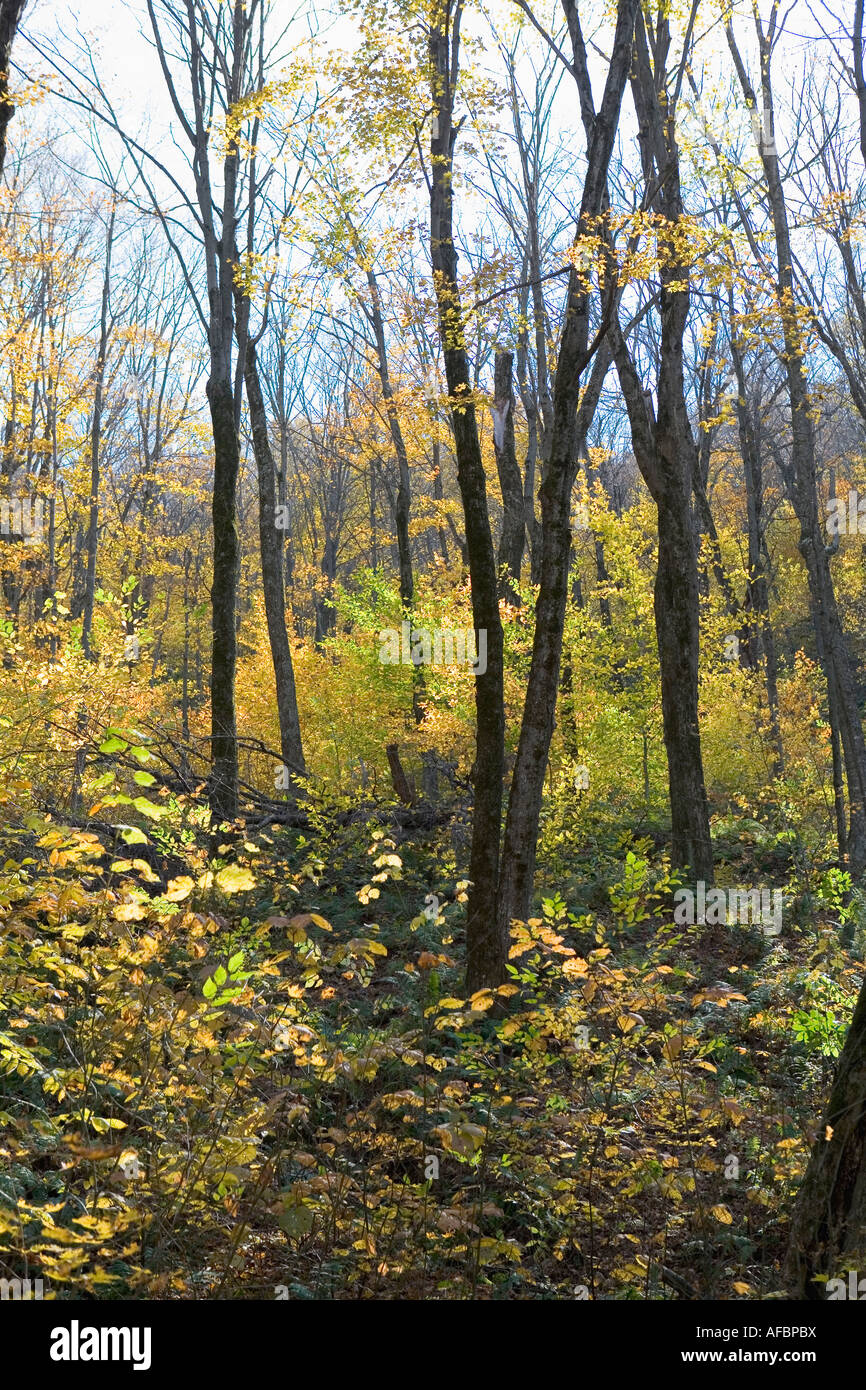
[
  {"x": 224, "y": 589},
  {"x": 438, "y": 489},
  {"x": 859, "y": 80},
  {"x": 404, "y": 490},
  {"x": 51, "y": 577},
  {"x": 324, "y": 611},
  {"x": 403, "y": 498},
  {"x": 760, "y": 641},
  {"x": 530, "y": 409},
  {"x": 374, "y": 534},
  {"x": 511, "y": 484},
  {"x": 92, "y": 541},
  {"x": 184, "y": 698},
  {"x": 218, "y": 75},
  {"x": 601, "y": 571},
  {"x": 291, "y": 746}
]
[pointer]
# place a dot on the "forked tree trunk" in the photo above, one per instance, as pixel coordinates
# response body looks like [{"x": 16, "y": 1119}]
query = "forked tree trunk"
[
  {"x": 665, "y": 453},
  {"x": 486, "y": 951},
  {"x": 563, "y": 443}
]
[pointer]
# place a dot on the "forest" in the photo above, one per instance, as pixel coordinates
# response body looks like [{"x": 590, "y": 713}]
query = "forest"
[{"x": 433, "y": 651}]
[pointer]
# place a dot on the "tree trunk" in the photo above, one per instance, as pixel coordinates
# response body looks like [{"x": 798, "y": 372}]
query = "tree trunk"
[
  {"x": 324, "y": 611},
  {"x": 832, "y": 645},
  {"x": 828, "y": 1227},
  {"x": 10, "y": 16},
  {"x": 665, "y": 453},
  {"x": 513, "y": 521},
  {"x": 92, "y": 541},
  {"x": 486, "y": 948},
  {"x": 563, "y": 442},
  {"x": 270, "y": 542},
  {"x": 404, "y": 491},
  {"x": 226, "y": 571},
  {"x": 761, "y": 639}
]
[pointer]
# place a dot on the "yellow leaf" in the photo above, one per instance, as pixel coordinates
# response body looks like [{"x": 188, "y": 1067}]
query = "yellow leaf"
[
  {"x": 129, "y": 912},
  {"x": 628, "y": 1021},
  {"x": 735, "y": 1112},
  {"x": 145, "y": 870},
  {"x": 575, "y": 967},
  {"x": 178, "y": 889},
  {"x": 234, "y": 879},
  {"x": 482, "y": 999}
]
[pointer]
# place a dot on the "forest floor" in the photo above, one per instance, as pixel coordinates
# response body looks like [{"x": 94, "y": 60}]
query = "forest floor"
[{"x": 260, "y": 1075}]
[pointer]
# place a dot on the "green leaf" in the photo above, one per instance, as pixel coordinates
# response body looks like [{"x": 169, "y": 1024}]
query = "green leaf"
[
  {"x": 144, "y": 779},
  {"x": 209, "y": 988},
  {"x": 147, "y": 808},
  {"x": 131, "y": 835},
  {"x": 297, "y": 1220},
  {"x": 113, "y": 745}
]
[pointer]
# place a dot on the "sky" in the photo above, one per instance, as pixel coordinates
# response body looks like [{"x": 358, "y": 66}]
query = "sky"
[{"x": 117, "y": 35}]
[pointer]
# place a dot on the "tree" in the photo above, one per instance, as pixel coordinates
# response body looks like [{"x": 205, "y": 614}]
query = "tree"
[
  {"x": 802, "y": 480},
  {"x": 571, "y": 416},
  {"x": 486, "y": 949},
  {"x": 10, "y": 17},
  {"x": 664, "y": 445},
  {"x": 210, "y": 57},
  {"x": 95, "y": 439}
]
